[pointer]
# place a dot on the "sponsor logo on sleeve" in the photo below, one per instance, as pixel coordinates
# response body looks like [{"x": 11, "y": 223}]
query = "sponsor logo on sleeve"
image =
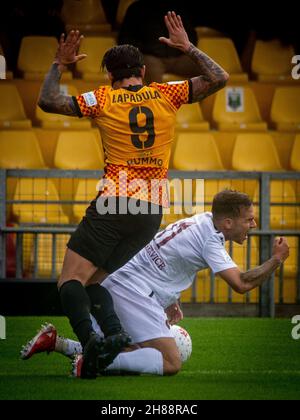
[{"x": 90, "y": 98}]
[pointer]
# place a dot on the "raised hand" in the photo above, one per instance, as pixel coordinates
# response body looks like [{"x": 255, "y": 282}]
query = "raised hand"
[
  {"x": 281, "y": 249},
  {"x": 178, "y": 37},
  {"x": 67, "y": 52}
]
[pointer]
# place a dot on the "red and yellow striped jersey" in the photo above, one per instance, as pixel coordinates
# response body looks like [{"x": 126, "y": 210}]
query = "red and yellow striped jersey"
[{"x": 137, "y": 127}]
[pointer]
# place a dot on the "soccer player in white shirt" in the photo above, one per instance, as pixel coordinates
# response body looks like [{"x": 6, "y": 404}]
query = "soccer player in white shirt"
[{"x": 146, "y": 290}]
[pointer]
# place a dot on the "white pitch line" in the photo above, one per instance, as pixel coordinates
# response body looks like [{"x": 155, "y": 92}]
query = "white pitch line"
[{"x": 241, "y": 372}]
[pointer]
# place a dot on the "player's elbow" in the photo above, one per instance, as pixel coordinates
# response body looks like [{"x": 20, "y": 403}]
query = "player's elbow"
[
  {"x": 43, "y": 104},
  {"x": 218, "y": 82},
  {"x": 241, "y": 288},
  {"x": 225, "y": 77},
  {"x": 222, "y": 80}
]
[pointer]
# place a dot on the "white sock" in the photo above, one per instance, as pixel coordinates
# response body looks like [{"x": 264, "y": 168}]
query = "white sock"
[
  {"x": 145, "y": 360},
  {"x": 67, "y": 347}
]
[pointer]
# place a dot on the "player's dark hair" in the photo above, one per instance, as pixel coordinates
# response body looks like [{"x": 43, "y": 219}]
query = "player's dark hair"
[
  {"x": 228, "y": 203},
  {"x": 123, "y": 62}
]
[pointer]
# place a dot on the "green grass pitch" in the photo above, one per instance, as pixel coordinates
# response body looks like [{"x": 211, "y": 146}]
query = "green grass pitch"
[{"x": 231, "y": 359}]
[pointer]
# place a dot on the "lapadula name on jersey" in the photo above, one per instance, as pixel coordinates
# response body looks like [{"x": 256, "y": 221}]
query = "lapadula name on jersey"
[{"x": 122, "y": 98}]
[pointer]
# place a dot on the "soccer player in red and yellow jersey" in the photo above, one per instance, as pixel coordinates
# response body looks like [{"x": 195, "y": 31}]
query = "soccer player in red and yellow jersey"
[{"x": 137, "y": 129}]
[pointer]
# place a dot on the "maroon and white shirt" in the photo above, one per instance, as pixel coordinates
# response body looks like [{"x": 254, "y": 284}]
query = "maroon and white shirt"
[{"x": 169, "y": 263}]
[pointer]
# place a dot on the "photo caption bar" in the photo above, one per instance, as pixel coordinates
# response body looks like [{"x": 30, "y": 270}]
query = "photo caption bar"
[{"x": 143, "y": 408}]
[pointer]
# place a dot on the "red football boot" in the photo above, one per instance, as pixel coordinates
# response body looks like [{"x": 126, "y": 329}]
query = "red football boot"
[{"x": 44, "y": 341}]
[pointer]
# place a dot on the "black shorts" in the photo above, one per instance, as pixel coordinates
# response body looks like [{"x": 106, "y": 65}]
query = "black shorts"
[{"x": 110, "y": 240}]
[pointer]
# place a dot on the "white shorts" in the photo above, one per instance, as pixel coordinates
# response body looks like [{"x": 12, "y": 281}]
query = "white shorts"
[{"x": 141, "y": 316}]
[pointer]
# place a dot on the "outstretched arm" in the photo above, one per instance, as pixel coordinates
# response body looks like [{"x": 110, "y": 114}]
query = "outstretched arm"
[
  {"x": 244, "y": 282},
  {"x": 50, "y": 99},
  {"x": 212, "y": 77}
]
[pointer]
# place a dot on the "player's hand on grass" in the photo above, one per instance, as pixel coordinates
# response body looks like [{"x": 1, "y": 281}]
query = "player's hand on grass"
[
  {"x": 174, "y": 313},
  {"x": 178, "y": 37},
  {"x": 281, "y": 249},
  {"x": 68, "y": 47}
]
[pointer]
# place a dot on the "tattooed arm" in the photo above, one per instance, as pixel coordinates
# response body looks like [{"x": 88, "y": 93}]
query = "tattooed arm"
[
  {"x": 244, "y": 282},
  {"x": 50, "y": 99},
  {"x": 212, "y": 77}
]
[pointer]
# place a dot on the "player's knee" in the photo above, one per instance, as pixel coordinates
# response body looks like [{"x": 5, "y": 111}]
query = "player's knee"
[{"x": 62, "y": 281}]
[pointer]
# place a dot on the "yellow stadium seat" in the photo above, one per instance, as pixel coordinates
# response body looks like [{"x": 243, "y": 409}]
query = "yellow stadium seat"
[
  {"x": 78, "y": 150},
  {"x": 181, "y": 196},
  {"x": 190, "y": 118},
  {"x": 236, "y": 109},
  {"x": 86, "y": 191},
  {"x": 285, "y": 110},
  {"x": 12, "y": 114},
  {"x": 84, "y": 15},
  {"x": 186, "y": 296},
  {"x": 295, "y": 155},
  {"x": 223, "y": 51},
  {"x": 212, "y": 187},
  {"x": 203, "y": 286},
  {"x": 20, "y": 149},
  {"x": 255, "y": 152},
  {"x": 206, "y": 32},
  {"x": 197, "y": 151},
  {"x": 36, "y": 56},
  {"x": 43, "y": 265},
  {"x": 288, "y": 292},
  {"x": 51, "y": 121},
  {"x": 282, "y": 217},
  {"x": 291, "y": 264},
  {"x": 36, "y": 189},
  {"x": 121, "y": 11},
  {"x": 272, "y": 61},
  {"x": 95, "y": 48}
]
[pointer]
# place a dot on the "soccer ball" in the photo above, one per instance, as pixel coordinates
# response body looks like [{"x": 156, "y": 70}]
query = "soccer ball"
[{"x": 183, "y": 342}]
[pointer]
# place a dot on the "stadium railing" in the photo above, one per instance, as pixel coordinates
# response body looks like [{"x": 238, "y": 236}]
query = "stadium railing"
[{"x": 265, "y": 299}]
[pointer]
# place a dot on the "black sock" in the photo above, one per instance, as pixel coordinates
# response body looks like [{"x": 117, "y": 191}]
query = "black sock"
[
  {"x": 102, "y": 308},
  {"x": 76, "y": 306}
]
